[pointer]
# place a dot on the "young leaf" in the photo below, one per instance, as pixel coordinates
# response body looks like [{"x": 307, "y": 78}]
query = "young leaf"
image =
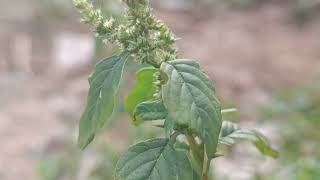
[
  {"x": 104, "y": 85},
  {"x": 190, "y": 99},
  {"x": 232, "y": 133},
  {"x": 148, "y": 111},
  {"x": 142, "y": 91},
  {"x": 154, "y": 159}
]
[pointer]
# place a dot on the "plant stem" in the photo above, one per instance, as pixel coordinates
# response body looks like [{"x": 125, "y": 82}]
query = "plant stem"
[
  {"x": 192, "y": 142},
  {"x": 206, "y": 168},
  {"x": 196, "y": 153}
]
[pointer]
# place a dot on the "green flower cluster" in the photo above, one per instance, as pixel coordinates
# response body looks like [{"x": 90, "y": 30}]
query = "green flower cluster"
[{"x": 146, "y": 38}]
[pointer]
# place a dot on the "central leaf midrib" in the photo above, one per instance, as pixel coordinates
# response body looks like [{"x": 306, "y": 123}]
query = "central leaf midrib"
[
  {"x": 136, "y": 155},
  {"x": 96, "y": 96},
  {"x": 111, "y": 73},
  {"x": 187, "y": 84},
  {"x": 157, "y": 159}
]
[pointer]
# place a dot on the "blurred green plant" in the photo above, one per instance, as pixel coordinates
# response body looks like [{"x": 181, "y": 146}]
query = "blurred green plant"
[
  {"x": 59, "y": 164},
  {"x": 297, "y": 112}
]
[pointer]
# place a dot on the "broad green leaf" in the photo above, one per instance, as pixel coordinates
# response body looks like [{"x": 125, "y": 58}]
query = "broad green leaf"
[
  {"x": 142, "y": 91},
  {"x": 190, "y": 99},
  {"x": 104, "y": 85},
  {"x": 148, "y": 111},
  {"x": 154, "y": 159},
  {"x": 231, "y": 133}
]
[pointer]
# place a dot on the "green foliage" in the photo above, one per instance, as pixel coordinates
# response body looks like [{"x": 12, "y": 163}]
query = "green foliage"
[
  {"x": 231, "y": 133},
  {"x": 155, "y": 159},
  {"x": 143, "y": 90},
  {"x": 59, "y": 163},
  {"x": 104, "y": 85},
  {"x": 150, "y": 110},
  {"x": 174, "y": 90},
  {"x": 191, "y": 101},
  {"x": 296, "y": 111}
]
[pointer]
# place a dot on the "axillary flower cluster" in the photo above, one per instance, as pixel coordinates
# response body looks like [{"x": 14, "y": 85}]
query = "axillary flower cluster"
[{"x": 147, "y": 39}]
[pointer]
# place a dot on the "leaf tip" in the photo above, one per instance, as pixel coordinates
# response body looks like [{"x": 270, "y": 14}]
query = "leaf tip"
[
  {"x": 274, "y": 154},
  {"x": 83, "y": 143}
]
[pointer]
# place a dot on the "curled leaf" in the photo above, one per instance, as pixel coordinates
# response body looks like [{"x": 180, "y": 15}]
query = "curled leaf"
[
  {"x": 143, "y": 89},
  {"x": 231, "y": 133}
]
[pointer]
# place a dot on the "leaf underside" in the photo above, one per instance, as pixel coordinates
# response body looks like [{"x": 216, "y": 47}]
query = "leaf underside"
[
  {"x": 154, "y": 159},
  {"x": 149, "y": 111},
  {"x": 104, "y": 85},
  {"x": 231, "y": 133},
  {"x": 190, "y": 99}
]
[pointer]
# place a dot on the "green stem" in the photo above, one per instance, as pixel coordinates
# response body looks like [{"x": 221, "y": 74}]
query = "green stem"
[
  {"x": 197, "y": 153},
  {"x": 205, "y": 169}
]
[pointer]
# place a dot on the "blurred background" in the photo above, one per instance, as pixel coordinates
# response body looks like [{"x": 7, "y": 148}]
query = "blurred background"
[{"x": 263, "y": 55}]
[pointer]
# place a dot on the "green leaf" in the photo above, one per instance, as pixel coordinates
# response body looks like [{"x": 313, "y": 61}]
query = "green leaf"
[
  {"x": 149, "y": 111},
  {"x": 154, "y": 159},
  {"x": 190, "y": 99},
  {"x": 231, "y": 133},
  {"x": 169, "y": 126},
  {"x": 104, "y": 86},
  {"x": 183, "y": 146},
  {"x": 142, "y": 91}
]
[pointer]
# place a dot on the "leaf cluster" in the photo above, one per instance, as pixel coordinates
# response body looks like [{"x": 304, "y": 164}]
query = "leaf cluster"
[{"x": 173, "y": 91}]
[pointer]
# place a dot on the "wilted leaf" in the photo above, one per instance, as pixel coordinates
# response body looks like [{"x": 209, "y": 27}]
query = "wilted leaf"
[{"x": 231, "y": 133}]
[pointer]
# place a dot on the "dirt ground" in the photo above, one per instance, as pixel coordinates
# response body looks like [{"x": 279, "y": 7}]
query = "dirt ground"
[{"x": 248, "y": 54}]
